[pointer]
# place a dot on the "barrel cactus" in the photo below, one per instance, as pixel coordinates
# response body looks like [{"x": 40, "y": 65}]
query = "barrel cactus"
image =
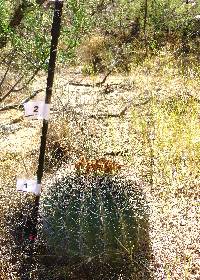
[{"x": 95, "y": 217}]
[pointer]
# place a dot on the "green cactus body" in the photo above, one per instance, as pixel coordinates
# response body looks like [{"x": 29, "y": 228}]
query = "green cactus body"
[
  {"x": 128, "y": 221},
  {"x": 72, "y": 223},
  {"x": 63, "y": 219},
  {"x": 90, "y": 217},
  {"x": 130, "y": 237},
  {"x": 110, "y": 216},
  {"x": 91, "y": 225}
]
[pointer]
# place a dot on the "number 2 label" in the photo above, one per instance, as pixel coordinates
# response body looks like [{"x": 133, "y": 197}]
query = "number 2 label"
[{"x": 37, "y": 110}]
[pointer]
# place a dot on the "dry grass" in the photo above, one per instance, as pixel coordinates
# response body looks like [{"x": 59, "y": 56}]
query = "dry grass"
[
  {"x": 169, "y": 130},
  {"x": 165, "y": 153},
  {"x": 93, "y": 53}
]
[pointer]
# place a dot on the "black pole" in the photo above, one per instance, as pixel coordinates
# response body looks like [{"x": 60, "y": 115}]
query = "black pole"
[
  {"x": 33, "y": 220},
  {"x": 55, "y": 33}
]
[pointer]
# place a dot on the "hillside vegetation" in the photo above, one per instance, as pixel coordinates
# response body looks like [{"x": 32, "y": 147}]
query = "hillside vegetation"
[{"x": 125, "y": 107}]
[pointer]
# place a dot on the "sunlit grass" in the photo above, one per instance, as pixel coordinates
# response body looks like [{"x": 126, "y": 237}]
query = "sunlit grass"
[
  {"x": 174, "y": 138},
  {"x": 168, "y": 125},
  {"x": 168, "y": 132},
  {"x": 177, "y": 137}
]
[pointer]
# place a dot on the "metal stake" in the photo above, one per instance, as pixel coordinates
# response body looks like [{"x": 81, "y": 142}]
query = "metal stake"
[{"x": 55, "y": 32}]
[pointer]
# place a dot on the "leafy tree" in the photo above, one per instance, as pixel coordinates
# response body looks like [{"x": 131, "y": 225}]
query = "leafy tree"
[{"x": 125, "y": 26}]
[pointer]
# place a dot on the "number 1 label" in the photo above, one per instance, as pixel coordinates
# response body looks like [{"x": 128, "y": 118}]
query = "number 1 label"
[{"x": 24, "y": 185}]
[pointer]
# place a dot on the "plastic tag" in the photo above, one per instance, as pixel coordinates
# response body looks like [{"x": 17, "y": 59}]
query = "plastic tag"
[
  {"x": 24, "y": 185},
  {"x": 37, "y": 110}
]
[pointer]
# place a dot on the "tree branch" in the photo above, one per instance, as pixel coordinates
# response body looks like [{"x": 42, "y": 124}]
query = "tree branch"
[
  {"x": 6, "y": 72},
  {"x": 11, "y": 90},
  {"x": 15, "y": 20}
]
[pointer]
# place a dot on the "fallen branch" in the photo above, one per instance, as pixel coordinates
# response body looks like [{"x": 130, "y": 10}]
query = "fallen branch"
[
  {"x": 117, "y": 153},
  {"x": 20, "y": 106},
  {"x": 104, "y": 79},
  {"x": 102, "y": 116},
  {"x": 81, "y": 85},
  {"x": 10, "y": 107},
  {"x": 122, "y": 113},
  {"x": 97, "y": 84}
]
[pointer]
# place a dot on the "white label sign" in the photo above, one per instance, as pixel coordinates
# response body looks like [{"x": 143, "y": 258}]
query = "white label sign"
[
  {"x": 37, "y": 110},
  {"x": 24, "y": 185}
]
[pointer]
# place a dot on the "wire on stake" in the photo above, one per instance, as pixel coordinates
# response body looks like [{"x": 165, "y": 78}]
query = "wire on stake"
[{"x": 30, "y": 185}]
